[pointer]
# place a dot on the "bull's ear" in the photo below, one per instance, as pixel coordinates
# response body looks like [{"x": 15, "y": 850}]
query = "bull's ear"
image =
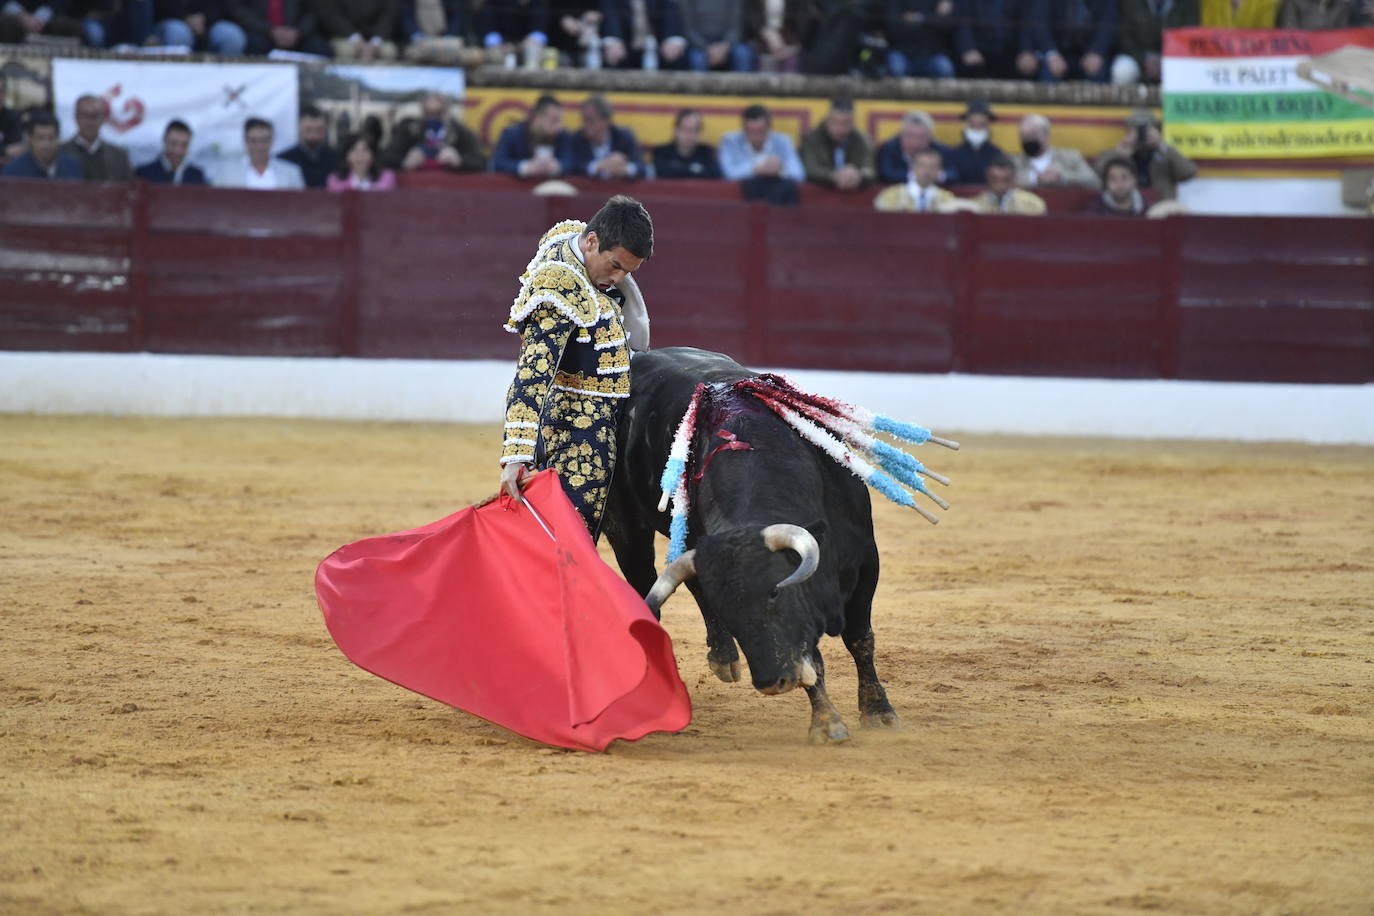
[{"x": 817, "y": 529}]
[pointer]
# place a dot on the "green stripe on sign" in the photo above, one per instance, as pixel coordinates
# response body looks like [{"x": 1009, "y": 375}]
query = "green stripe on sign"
[{"x": 1233, "y": 108}]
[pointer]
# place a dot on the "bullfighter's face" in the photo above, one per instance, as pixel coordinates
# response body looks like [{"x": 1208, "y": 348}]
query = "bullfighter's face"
[{"x": 607, "y": 268}]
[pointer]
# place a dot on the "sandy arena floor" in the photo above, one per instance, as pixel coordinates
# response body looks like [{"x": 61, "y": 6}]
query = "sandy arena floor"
[{"x": 1133, "y": 677}]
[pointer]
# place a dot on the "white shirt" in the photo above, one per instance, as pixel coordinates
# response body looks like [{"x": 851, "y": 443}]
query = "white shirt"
[
  {"x": 1038, "y": 165},
  {"x": 923, "y": 198},
  {"x": 260, "y": 181}
]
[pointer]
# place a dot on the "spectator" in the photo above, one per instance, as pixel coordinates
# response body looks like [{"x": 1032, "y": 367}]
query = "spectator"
[
  {"x": 1159, "y": 167},
  {"x": 776, "y": 27},
  {"x": 1074, "y": 37},
  {"x": 361, "y": 167},
  {"x": 918, "y": 32},
  {"x": 994, "y": 43},
  {"x": 686, "y": 156},
  {"x": 763, "y": 159},
  {"x": 435, "y": 140},
  {"x": 713, "y": 29},
  {"x": 504, "y": 22},
  {"x": 259, "y": 170},
  {"x": 920, "y": 193},
  {"x": 832, "y": 32},
  {"x": 1120, "y": 196},
  {"x": 171, "y": 166},
  {"x": 917, "y": 133},
  {"x": 198, "y": 25},
  {"x": 836, "y": 154},
  {"x": 575, "y": 32},
  {"x": 100, "y": 161},
  {"x": 1239, "y": 14},
  {"x": 1002, "y": 197},
  {"x": 107, "y": 23},
  {"x": 536, "y": 147},
  {"x": 43, "y": 158},
  {"x": 602, "y": 149},
  {"x": 969, "y": 160},
  {"x": 643, "y": 33},
  {"x": 312, "y": 154},
  {"x": 1325, "y": 14},
  {"x": 1140, "y": 35},
  {"x": 359, "y": 29},
  {"x": 1040, "y": 165},
  {"x": 278, "y": 25},
  {"x": 43, "y": 18},
  {"x": 11, "y": 125},
  {"x": 434, "y": 30}
]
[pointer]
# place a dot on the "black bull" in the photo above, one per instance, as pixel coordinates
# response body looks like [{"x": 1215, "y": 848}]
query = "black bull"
[{"x": 778, "y": 480}]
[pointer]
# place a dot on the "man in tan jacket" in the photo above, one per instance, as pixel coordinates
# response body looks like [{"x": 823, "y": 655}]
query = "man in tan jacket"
[
  {"x": 1040, "y": 165},
  {"x": 920, "y": 193},
  {"x": 1002, "y": 197}
]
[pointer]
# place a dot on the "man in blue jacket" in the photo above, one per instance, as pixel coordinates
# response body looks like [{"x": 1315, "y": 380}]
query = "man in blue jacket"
[
  {"x": 43, "y": 159},
  {"x": 602, "y": 149},
  {"x": 171, "y": 167},
  {"x": 537, "y": 147}
]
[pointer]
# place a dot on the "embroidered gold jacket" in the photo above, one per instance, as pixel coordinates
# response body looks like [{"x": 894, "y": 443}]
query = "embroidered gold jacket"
[{"x": 572, "y": 341}]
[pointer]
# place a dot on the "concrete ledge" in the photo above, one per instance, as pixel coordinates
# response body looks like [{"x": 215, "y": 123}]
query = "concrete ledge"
[{"x": 474, "y": 392}]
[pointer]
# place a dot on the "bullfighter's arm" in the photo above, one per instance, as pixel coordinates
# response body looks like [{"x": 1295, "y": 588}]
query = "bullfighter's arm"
[{"x": 544, "y": 335}]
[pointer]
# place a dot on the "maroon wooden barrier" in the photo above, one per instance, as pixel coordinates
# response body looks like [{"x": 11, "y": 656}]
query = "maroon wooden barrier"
[{"x": 430, "y": 274}]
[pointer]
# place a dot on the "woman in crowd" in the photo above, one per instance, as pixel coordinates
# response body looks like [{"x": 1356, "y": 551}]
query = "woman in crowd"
[{"x": 361, "y": 167}]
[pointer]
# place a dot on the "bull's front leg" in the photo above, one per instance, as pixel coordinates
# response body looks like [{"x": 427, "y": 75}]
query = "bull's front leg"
[
  {"x": 875, "y": 710},
  {"x": 826, "y": 725},
  {"x": 722, "y": 655}
]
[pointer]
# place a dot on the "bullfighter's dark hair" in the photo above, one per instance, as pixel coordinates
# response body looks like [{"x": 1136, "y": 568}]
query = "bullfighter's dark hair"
[
  {"x": 39, "y": 118},
  {"x": 177, "y": 124},
  {"x": 543, "y": 102},
  {"x": 624, "y": 222},
  {"x": 754, "y": 112},
  {"x": 1117, "y": 162},
  {"x": 253, "y": 123}
]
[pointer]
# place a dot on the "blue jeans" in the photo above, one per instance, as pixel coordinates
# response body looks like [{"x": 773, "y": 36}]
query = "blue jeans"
[
  {"x": 937, "y": 66},
  {"x": 131, "y": 25},
  {"x": 743, "y": 58},
  {"x": 224, "y": 37}
]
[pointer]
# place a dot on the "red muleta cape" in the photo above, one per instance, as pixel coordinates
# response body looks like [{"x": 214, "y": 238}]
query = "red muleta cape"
[{"x": 486, "y": 611}]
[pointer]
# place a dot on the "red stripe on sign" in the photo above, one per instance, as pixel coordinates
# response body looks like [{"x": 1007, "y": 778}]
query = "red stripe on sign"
[{"x": 1261, "y": 42}]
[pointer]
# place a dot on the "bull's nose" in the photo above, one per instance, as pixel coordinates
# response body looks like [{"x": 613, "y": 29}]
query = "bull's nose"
[{"x": 781, "y": 685}]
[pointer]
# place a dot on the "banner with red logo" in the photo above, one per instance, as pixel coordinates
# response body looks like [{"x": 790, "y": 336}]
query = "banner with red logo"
[{"x": 215, "y": 100}]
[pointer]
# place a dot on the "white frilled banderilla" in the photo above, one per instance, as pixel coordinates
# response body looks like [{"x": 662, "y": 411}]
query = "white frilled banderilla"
[{"x": 843, "y": 431}]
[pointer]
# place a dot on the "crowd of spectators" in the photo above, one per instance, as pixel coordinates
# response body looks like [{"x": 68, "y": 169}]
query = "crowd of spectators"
[
  {"x": 1049, "y": 40},
  {"x": 908, "y": 172}
]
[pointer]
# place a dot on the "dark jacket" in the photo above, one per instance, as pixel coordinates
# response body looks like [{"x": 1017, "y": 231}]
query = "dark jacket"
[
  {"x": 1072, "y": 27},
  {"x": 410, "y": 133},
  {"x": 669, "y": 163},
  {"x": 928, "y": 36},
  {"x": 581, "y": 155},
  {"x": 25, "y": 166},
  {"x": 992, "y": 27},
  {"x": 707, "y": 21},
  {"x": 158, "y": 173},
  {"x": 818, "y": 154},
  {"x": 893, "y": 166},
  {"x": 513, "y": 147},
  {"x": 1140, "y": 31},
  {"x": 968, "y": 163},
  {"x": 315, "y": 165},
  {"x": 368, "y": 18},
  {"x": 252, "y": 16},
  {"x": 107, "y": 163},
  {"x": 665, "y": 19}
]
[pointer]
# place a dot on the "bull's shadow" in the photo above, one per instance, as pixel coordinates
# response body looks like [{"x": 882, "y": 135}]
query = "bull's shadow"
[{"x": 780, "y": 536}]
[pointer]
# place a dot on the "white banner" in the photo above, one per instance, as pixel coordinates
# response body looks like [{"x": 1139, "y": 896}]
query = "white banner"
[{"x": 214, "y": 99}]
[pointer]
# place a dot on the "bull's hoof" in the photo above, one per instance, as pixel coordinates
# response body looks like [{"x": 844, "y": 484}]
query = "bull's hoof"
[
  {"x": 831, "y": 732},
  {"x": 729, "y": 672},
  {"x": 884, "y": 718}
]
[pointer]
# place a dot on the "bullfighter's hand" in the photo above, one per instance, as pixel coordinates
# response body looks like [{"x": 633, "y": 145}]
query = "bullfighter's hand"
[{"x": 511, "y": 483}]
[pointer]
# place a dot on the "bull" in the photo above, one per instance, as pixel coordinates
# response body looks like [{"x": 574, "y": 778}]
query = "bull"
[{"x": 781, "y": 546}]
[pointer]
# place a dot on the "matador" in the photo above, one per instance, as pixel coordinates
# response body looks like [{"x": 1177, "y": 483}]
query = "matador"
[{"x": 579, "y": 314}]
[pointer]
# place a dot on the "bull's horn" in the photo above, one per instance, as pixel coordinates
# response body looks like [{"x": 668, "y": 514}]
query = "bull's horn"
[
  {"x": 794, "y": 537},
  {"x": 673, "y": 575}
]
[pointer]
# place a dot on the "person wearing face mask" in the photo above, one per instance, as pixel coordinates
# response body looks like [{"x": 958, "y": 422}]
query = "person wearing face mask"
[
  {"x": 1040, "y": 165},
  {"x": 969, "y": 160},
  {"x": 578, "y": 314}
]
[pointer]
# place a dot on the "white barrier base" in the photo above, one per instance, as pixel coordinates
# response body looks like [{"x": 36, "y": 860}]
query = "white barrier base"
[{"x": 474, "y": 392}]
